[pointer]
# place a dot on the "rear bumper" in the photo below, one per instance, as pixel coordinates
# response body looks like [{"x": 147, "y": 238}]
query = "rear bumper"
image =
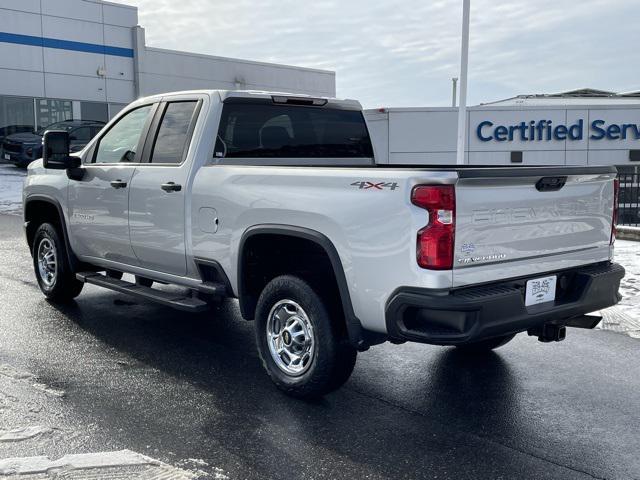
[{"x": 474, "y": 313}]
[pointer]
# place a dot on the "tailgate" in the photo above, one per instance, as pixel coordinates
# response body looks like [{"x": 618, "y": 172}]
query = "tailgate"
[{"x": 522, "y": 221}]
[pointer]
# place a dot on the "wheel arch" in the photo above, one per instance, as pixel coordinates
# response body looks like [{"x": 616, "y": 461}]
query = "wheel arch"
[
  {"x": 358, "y": 337},
  {"x": 39, "y": 209}
]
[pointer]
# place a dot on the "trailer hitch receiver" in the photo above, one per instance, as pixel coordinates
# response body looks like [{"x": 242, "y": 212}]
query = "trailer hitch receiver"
[{"x": 549, "y": 332}]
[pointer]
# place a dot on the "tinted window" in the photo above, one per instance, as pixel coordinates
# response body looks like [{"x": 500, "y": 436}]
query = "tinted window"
[
  {"x": 173, "y": 133},
  {"x": 82, "y": 134},
  {"x": 120, "y": 143},
  {"x": 285, "y": 131}
]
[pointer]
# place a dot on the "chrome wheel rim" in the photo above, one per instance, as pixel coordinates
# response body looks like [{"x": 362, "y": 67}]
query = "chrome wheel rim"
[
  {"x": 47, "y": 262},
  {"x": 290, "y": 337}
]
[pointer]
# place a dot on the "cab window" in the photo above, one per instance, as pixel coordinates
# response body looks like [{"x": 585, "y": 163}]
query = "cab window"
[
  {"x": 286, "y": 131},
  {"x": 121, "y": 142},
  {"x": 173, "y": 134}
]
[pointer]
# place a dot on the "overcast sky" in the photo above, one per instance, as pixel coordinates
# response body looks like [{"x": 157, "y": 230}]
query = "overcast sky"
[{"x": 404, "y": 53}]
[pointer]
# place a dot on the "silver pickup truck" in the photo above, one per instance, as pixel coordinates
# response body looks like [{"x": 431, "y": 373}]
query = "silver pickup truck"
[{"x": 276, "y": 200}]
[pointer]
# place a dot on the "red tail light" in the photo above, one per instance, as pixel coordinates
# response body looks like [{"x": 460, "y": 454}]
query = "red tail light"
[
  {"x": 436, "y": 240},
  {"x": 614, "y": 220}
]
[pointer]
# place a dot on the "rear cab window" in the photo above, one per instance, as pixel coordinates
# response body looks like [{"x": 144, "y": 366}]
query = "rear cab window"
[
  {"x": 174, "y": 133},
  {"x": 267, "y": 130}
]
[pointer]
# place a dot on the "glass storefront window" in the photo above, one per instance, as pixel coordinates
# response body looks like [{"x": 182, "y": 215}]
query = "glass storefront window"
[
  {"x": 94, "y": 111},
  {"x": 52, "y": 111},
  {"x": 16, "y": 115}
]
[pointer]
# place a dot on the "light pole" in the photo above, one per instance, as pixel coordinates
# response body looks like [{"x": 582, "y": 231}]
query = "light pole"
[
  {"x": 454, "y": 91},
  {"x": 464, "y": 60}
]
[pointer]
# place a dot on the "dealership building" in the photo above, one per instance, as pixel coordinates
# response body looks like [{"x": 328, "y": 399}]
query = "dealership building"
[
  {"x": 86, "y": 59},
  {"x": 579, "y": 127}
]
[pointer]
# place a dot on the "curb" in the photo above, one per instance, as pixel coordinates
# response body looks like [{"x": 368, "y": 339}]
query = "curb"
[{"x": 628, "y": 233}]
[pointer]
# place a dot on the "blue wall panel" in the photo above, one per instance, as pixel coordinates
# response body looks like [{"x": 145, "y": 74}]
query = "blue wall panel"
[{"x": 65, "y": 44}]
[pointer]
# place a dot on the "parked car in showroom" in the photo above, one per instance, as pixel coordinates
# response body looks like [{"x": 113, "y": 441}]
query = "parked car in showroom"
[
  {"x": 7, "y": 130},
  {"x": 23, "y": 148}
]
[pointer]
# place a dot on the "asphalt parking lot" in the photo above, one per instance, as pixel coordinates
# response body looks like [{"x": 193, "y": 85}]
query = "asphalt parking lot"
[
  {"x": 124, "y": 389},
  {"x": 187, "y": 393}
]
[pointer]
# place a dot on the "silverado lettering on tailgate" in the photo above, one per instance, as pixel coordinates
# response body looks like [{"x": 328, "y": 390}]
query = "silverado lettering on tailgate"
[{"x": 497, "y": 216}]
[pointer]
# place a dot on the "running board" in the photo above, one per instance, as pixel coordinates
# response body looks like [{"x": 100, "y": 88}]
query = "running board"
[
  {"x": 213, "y": 288},
  {"x": 176, "y": 300}
]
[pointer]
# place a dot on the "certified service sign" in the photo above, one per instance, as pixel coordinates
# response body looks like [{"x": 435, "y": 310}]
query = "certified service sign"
[{"x": 546, "y": 130}]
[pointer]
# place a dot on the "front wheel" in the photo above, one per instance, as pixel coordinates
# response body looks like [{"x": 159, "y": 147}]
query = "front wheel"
[
  {"x": 486, "y": 345},
  {"x": 51, "y": 265},
  {"x": 302, "y": 348}
]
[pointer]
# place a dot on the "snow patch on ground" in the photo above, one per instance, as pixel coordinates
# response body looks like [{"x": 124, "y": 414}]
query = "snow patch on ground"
[
  {"x": 21, "y": 375},
  {"x": 19, "y": 434},
  {"x": 48, "y": 390},
  {"x": 625, "y": 317},
  {"x": 189, "y": 463},
  {"x": 15, "y": 373},
  {"x": 101, "y": 465},
  {"x": 11, "y": 183}
]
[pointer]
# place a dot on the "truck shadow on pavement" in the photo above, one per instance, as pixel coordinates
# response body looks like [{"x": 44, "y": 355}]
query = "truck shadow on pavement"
[
  {"x": 199, "y": 378},
  {"x": 473, "y": 392}
]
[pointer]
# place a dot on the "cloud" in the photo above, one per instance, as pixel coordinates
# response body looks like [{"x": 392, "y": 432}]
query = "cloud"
[{"x": 389, "y": 53}]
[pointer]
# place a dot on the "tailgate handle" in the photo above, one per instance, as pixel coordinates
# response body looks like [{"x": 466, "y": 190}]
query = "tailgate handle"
[{"x": 550, "y": 184}]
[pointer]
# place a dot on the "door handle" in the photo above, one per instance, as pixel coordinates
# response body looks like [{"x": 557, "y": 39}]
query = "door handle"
[
  {"x": 118, "y": 184},
  {"x": 171, "y": 187}
]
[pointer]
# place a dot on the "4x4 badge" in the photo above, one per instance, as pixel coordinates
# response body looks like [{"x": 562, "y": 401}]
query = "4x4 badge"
[{"x": 376, "y": 186}]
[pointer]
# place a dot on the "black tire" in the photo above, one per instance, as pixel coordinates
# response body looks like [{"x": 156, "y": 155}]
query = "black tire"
[
  {"x": 62, "y": 286},
  {"x": 333, "y": 358},
  {"x": 486, "y": 345},
  {"x": 144, "y": 282}
]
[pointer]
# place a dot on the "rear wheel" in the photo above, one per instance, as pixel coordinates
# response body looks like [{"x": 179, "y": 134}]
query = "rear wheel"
[
  {"x": 486, "y": 345},
  {"x": 51, "y": 265},
  {"x": 301, "y": 347}
]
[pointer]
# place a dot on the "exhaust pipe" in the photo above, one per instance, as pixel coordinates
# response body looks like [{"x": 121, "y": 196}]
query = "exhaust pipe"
[{"x": 549, "y": 332}]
